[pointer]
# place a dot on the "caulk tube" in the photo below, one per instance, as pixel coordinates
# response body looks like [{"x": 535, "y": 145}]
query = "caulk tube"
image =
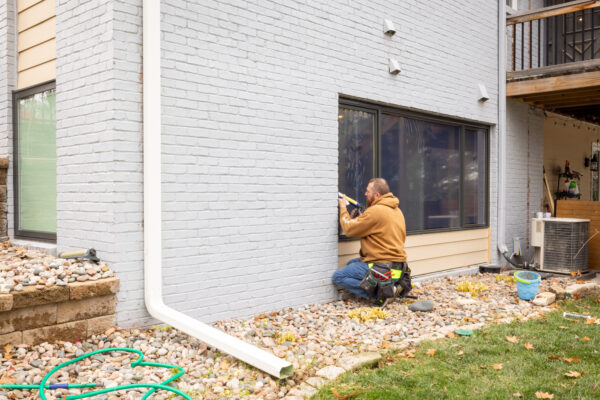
[{"x": 349, "y": 200}]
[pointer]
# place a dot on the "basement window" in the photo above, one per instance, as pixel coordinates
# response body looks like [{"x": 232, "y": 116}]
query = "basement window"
[
  {"x": 35, "y": 162},
  {"x": 437, "y": 167}
]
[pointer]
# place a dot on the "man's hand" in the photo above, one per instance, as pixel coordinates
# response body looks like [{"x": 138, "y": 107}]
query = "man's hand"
[
  {"x": 355, "y": 213},
  {"x": 342, "y": 203}
]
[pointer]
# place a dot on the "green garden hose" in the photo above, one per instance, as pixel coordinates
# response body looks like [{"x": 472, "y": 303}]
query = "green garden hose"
[{"x": 154, "y": 386}]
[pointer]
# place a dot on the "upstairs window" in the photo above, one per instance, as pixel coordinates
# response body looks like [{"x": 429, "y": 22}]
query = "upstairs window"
[{"x": 438, "y": 168}]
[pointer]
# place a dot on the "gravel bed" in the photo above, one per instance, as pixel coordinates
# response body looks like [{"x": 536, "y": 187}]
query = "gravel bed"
[
  {"x": 20, "y": 267},
  {"x": 310, "y": 337}
]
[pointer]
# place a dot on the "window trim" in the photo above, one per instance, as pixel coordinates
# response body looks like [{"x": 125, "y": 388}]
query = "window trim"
[
  {"x": 18, "y": 95},
  {"x": 379, "y": 109}
]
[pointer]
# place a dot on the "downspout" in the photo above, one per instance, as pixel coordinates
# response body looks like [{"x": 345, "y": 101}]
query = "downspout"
[
  {"x": 501, "y": 128},
  {"x": 153, "y": 219}
]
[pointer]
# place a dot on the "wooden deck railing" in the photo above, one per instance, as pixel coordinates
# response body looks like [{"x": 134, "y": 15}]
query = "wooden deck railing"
[{"x": 554, "y": 38}]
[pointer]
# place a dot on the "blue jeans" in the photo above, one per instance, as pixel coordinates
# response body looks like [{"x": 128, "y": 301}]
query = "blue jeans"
[{"x": 350, "y": 276}]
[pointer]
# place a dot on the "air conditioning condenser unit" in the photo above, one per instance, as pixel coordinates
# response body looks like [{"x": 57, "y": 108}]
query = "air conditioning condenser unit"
[{"x": 560, "y": 244}]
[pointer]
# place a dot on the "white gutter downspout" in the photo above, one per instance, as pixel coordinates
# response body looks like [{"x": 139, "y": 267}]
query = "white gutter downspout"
[
  {"x": 501, "y": 127},
  {"x": 153, "y": 218}
]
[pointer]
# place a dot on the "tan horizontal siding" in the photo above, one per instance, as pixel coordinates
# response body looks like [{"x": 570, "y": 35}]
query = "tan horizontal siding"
[
  {"x": 36, "y": 42},
  {"x": 435, "y": 252},
  {"x": 37, "y": 55},
  {"x": 36, "y": 14},
  {"x": 23, "y": 5},
  {"x": 33, "y": 76},
  {"x": 38, "y": 34}
]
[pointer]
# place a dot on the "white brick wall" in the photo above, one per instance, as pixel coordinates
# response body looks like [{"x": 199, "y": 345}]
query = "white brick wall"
[
  {"x": 250, "y": 131},
  {"x": 7, "y": 85},
  {"x": 99, "y": 140},
  {"x": 524, "y": 166}
]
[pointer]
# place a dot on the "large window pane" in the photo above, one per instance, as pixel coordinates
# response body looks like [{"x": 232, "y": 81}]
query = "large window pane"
[
  {"x": 36, "y": 162},
  {"x": 355, "y": 169},
  {"x": 421, "y": 162},
  {"x": 474, "y": 185}
]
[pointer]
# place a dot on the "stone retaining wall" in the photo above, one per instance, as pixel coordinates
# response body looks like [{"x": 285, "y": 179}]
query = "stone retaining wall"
[
  {"x": 73, "y": 312},
  {"x": 3, "y": 202}
]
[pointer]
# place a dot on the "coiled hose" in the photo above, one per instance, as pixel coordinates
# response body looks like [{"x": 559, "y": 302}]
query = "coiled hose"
[{"x": 139, "y": 362}]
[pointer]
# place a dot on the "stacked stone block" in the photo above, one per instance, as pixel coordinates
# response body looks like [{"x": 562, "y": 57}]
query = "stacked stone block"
[{"x": 73, "y": 312}]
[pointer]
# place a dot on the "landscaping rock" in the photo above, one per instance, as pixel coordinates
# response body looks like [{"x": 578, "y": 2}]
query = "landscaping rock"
[
  {"x": 423, "y": 305},
  {"x": 330, "y": 372},
  {"x": 559, "y": 291},
  {"x": 353, "y": 362},
  {"x": 544, "y": 299},
  {"x": 583, "y": 290}
]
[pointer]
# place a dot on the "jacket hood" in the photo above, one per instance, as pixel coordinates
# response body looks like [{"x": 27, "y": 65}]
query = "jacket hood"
[{"x": 388, "y": 200}]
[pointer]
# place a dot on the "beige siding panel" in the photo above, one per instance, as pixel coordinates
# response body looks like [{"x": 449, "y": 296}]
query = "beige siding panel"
[
  {"x": 435, "y": 251},
  {"x": 34, "y": 15},
  {"x": 446, "y": 249},
  {"x": 37, "y": 34},
  {"x": 36, "y": 75},
  {"x": 445, "y": 237},
  {"x": 447, "y": 263},
  {"x": 37, "y": 55},
  {"x": 25, "y": 4}
]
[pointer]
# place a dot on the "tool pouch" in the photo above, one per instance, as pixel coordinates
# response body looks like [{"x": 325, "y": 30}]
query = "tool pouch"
[
  {"x": 369, "y": 284},
  {"x": 378, "y": 281},
  {"x": 405, "y": 280}
]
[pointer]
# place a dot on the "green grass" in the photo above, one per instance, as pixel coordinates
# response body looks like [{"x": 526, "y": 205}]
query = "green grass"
[{"x": 461, "y": 368}]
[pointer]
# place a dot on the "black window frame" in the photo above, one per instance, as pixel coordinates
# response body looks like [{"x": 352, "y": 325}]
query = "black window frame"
[
  {"x": 16, "y": 96},
  {"x": 379, "y": 110}
]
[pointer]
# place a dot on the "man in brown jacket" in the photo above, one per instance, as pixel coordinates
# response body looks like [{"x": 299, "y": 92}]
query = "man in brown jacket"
[{"x": 382, "y": 232}]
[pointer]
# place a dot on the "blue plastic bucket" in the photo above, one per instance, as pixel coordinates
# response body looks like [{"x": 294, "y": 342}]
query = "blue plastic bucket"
[{"x": 528, "y": 284}]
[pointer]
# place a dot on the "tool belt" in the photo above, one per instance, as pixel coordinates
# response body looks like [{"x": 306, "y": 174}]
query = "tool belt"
[{"x": 382, "y": 277}]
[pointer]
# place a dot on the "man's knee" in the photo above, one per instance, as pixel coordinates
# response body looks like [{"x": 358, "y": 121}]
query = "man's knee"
[{"x": 337, "y": 277}]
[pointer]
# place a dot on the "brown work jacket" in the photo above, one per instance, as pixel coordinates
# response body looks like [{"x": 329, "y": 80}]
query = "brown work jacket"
[{"x": 381, "y": 229}]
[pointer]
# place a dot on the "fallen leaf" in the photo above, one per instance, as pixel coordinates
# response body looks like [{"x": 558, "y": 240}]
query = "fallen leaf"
[
  {"x": 572, "y": 360},
  {"x": 512, "y": 339},
  {"x": 585, "y": 339},
  {"x": 345, "y": 396},
  {"x": 578, "y": 272},
  {"x": 385, "y": 345},
  {"x": 517, "y": 394},
  {"x": 528, "y": 346},
  {"x": 554, "y": 358},
  {"x": 7, "y": 349},
  {"x": 544, "y": 395},
  {"x": 7, "y": 380},
  {"x": 573, "y": 274},
  {"x": 460, "y": 353},
  {"x": 573, "y": 374},
  {"x": 451, "y": 335},
  {"x": 482, "y": 366},
  {"x": 497, "y": 366},
  {"x": 431, "y": 352},
  {"x": 563, "y": 327}
]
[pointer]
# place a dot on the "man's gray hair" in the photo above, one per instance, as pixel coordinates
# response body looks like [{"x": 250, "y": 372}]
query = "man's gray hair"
[{"x": 380, "y": 186}]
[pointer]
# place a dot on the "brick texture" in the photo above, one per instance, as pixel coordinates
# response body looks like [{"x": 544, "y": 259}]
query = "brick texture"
[
  {"x": 28, "y": 318},
  {"x": 250, "y": 133},
  {"x": 8, "y": 82},
  {"x": 12, "y": 339}
]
